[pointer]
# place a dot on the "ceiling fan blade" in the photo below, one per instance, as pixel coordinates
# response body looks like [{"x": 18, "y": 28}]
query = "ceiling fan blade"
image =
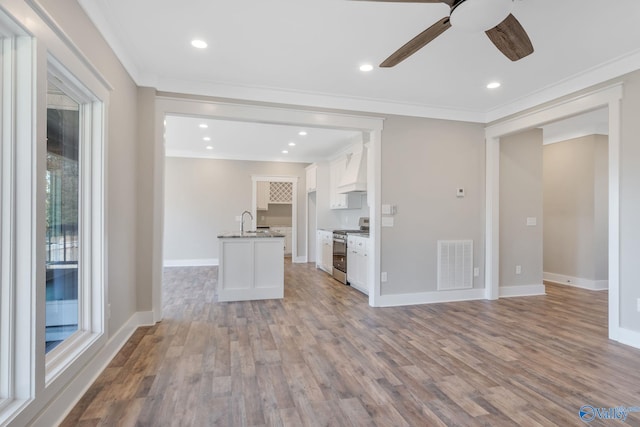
[
  {"x": 417, "y": 43},
  {"x": 449, "y": 2},
  {"x": 511, "y": 39}
]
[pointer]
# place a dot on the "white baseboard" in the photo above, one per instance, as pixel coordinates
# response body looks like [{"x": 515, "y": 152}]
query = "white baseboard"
[
  {"x": 64, "y": 402},
  {"x": 191, "y": 262},
  {"x": 431, "y": 297},
  {"x": 629, "y": 337},
  {"x": 578, "y": 282},
  {"x": 300, "y": 259},
  {"x": 522, "y": 291}
]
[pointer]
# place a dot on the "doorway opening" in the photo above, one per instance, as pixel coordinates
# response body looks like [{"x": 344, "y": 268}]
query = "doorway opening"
[
  {"x": 275, "y": 207},
  {"x": 608, "y": 98}
]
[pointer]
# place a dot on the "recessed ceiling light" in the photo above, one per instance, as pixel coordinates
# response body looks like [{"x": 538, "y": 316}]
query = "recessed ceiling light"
[
  {"x": 366, "y": 67},
  {"x": 493, "y": 85},
  {"x": 209, "y": 147},
  {"x": 285, "y": 152},
  {"x": 292, "y": 144},
  {"x": 199, "y": 44},
  {"x": 204, "y": 125},
  {"x": 302, "y": 133},
  {"x": 206, "y": 138}
]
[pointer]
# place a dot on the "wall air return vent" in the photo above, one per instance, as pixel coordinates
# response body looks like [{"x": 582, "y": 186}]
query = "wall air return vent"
[{"x": 455, "y": 264}]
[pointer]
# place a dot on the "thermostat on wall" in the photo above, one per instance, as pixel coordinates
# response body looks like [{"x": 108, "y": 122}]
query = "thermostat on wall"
[{"x": 460, "y": 192}]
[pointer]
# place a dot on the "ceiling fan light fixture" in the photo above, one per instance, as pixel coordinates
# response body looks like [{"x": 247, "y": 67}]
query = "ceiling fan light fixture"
[{"x": 480, "y": 15}]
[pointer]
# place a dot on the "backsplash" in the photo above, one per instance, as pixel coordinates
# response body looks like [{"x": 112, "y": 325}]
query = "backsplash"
[
  {"x": 349, "y": 217},
  {"x": 276, "y": 216}
]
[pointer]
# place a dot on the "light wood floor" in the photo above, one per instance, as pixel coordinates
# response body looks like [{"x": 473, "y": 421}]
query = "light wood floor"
[{"x": 322, "y": 356}]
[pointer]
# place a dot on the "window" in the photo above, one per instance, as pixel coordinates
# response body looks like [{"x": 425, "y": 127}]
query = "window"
[
  {"x": 74, "y": 220},
  {"x": 52, "y": 212},
  {"x": 16, "y": 229},
  {"x": 62, "y": 197}
]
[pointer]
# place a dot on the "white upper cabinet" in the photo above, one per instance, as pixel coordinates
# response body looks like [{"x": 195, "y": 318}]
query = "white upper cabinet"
[
  {"x": 312, "y": 178},
  {"x": 281, "y": 192},
  {"x": 262, "y": 195}
]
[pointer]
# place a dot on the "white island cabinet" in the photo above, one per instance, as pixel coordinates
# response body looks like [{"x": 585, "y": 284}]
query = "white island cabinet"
[{"x": 251, "y": 266}]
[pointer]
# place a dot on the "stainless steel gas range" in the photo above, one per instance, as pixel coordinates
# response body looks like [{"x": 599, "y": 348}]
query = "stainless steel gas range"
[{"x": 340, "y": 249}]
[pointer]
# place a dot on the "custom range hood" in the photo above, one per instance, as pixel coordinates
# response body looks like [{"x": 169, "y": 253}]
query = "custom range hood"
[{"x": 354, "y": 178}]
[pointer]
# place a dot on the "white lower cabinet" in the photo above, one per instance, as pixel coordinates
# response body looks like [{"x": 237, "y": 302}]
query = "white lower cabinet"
[
  {"x": 325, "y": 251},
  {"x": 358, "y": 262},
  {"x": 287, "y": 231}
]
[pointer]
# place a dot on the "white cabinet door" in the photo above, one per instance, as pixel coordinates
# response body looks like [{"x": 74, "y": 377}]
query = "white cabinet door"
[
  {"x": 363, "y": 265},
  {"x": 311, "y": 178},
  {"x": 325, "y": 254},
  {"x": 288, "y": 246},
  {"x": 319, "y": 250},
  {"x": 352, "y": 260},
  {"x": 287, "y": 231},
  {"x": 336, "y": 169},
  {"x": 262, "y": 195},
  {"x": 357, "y": 263}
]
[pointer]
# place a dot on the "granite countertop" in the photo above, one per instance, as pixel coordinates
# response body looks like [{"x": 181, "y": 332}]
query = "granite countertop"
[
  {"x": 250, "y": 234},
  {"x": 359, "y": 233}
]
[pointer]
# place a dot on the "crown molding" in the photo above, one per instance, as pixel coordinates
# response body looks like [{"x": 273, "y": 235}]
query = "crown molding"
[{"x": 583, "y": 80}]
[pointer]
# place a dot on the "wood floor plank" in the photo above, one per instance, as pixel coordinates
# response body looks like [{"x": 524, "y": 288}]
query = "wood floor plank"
[{"x": 322, "y": 356}]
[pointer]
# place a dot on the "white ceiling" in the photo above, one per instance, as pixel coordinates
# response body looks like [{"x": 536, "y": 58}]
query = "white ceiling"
[
  {"x": 308, "y": 53},
  {"x": 252, "y": 141}
]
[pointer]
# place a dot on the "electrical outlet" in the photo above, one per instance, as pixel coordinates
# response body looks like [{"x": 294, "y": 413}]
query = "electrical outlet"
[
  {"x": 383, "y": 276},
  {"x": 518, "y": 269},
  {"x": 476, "y": 272}
]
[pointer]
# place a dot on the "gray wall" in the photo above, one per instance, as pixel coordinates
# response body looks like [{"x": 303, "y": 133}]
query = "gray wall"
[
  {"x": 521, "y": 198},
  {"x": 203, "y": 197},
  {"x": 423, "y": 162},
  {"x": 630, "y": 204},
  {"x": 575, "y": 208}
]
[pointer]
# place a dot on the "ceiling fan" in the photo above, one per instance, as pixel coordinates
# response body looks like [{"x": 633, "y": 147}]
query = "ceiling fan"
[{"x": 491, "y": 16}]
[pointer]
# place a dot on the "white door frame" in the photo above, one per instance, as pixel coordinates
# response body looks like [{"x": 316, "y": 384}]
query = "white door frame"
[
  {"x": 167, "y": 105},
  {"x": 609, "y": 97},
  {"x": 294, "y": 206}
]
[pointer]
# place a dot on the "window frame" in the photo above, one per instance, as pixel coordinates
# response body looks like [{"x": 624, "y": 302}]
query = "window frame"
[
  {"x": 33, "y": 379},
  {"x": 17, "y": 236},
  {"x": 91, "y": 235}
]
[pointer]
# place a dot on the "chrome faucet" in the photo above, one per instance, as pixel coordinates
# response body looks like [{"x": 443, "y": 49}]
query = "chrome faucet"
[{"x": 242, "y": 220}]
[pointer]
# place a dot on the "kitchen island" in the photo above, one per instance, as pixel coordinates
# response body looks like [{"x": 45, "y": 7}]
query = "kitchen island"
[{"x": 251, "y": 266}]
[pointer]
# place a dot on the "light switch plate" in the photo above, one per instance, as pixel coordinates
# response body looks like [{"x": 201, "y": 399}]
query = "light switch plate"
[
  {"x": 476, "y": 272},
  {"x": 532, "y": 221},
  {"x": 386, "y": 209},
  {"x": 383, "y": 276},
  {"x": 387, "y": 221},
  {"x": 518, "y": 269}
]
